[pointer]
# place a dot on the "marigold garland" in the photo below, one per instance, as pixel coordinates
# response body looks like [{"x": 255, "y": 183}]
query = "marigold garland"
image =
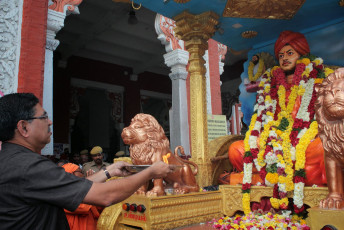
[{"x": 281, "y": 138}]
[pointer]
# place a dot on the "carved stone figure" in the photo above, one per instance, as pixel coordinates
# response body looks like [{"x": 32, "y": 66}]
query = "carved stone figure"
[
  {"x": 329, "y": 109},
  {"x": 149, "y": 144}
]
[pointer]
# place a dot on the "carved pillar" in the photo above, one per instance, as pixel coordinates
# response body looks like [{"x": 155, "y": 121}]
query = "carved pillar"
[
  {"x": 196, "y": 30},
  {"x": 56, "y": 15},
  {"x": 177, "y": 59},
  {"x": 10, "y": 30}
]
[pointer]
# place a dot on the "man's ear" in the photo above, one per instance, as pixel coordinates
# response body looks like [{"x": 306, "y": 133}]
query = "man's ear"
[{"x": 22, "y": 128}]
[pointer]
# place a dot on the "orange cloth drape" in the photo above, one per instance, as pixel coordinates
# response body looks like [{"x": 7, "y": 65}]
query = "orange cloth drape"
[{"x": 83, "y": 218}]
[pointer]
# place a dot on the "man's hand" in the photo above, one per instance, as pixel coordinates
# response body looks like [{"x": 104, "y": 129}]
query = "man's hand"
[
  {"x": 160, "y": 170},
  {"x": 118, "y": 169},
  {"x": 89, "y": 172}
]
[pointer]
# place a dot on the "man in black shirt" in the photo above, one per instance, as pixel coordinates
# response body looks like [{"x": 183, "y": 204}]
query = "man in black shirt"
[{"x": 33, "y": 190}]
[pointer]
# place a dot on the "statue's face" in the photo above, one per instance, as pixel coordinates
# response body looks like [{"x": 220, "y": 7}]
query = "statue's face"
[
  {"x": 287, "y": 58},
  {"x": 334, "y": 100}
]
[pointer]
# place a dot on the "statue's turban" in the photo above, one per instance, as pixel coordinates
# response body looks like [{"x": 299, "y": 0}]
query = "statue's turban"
[{"x": 294, "y": 39}]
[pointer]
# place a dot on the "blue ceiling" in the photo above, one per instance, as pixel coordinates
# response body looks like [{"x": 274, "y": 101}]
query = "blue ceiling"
[{"x": 313, "y": 15}]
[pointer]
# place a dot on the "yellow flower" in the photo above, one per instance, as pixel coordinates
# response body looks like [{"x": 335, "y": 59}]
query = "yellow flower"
[
  {"x": 318, "y": 80},
  {"x": 268, "y": 98},
  {"x": 284, "y": 201},
  {"x": 289, "y": 186},
  {"x": 305, "y": 61},
  {"x": 246, "y": 203},
  {"x": 272, "y": 178},
  {"x": 274, "y": 202},
  {"x": 267, "y": 89},
  {"x": 328, "y": 71}
]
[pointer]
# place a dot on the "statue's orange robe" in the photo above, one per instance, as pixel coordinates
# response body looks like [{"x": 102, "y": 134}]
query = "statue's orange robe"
[
  {"x": 83, "y": 218},
  {"x": 314, "y": 167}
]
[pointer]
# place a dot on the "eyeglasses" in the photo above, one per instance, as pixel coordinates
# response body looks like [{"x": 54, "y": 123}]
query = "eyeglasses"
[{"x": 43, "y": 117}]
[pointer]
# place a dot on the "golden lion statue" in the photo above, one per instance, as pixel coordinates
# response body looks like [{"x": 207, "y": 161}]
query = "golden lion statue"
[
  {"x": 329, "y": 109},
  {"x": 148, "y": 144}
]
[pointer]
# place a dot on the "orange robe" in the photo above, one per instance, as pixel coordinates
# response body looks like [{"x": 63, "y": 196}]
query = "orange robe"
[
  {"x": 83, "y": 218},
  {"x": 314, "y": 167}
]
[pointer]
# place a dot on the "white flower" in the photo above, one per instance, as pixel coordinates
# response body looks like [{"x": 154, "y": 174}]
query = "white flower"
[
  {"x": 282, "y": 187},
  {"x": 252, "y": 141},
  {"x": 298, "y": 194},
  {"x": 247, "y": 173},
  {"x": 293, "y": 153},
  {"x": 302, "y": 132},
  {"x": 270, "y": 158},
  {"x": 320, "y": 60},
  {"x": 268, "y": 183}
]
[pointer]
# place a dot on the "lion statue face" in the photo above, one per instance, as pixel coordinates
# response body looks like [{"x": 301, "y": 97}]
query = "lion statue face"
[
  {"x": 146, "y": 138},
  {"x": 333, "y": 100}
]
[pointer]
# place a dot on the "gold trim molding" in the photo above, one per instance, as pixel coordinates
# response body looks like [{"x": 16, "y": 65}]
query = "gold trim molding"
[{"x": 266, "y": 9}]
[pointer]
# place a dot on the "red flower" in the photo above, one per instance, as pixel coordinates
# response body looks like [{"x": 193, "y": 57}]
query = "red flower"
[
  {"x": 268, "y": 148},
  {"x": 293, "y": 134},
  {"x": 262, "y": 174},
  {"x": 298, "y": 179},
  {"x": 259, "y": 119},
  {"x": 248, "y": 159},
  {"x": 283, "y": 206},
  {"x": 313, "y": 74},
  {"x": 297, "y": 123},
  {"x": 255, "y": 133},
  {"x": 321, "y": 67},
  {"x": 254, "y": 152},
  {"x": 299, "y": 210},
  {"x": 246, "y": 186},
  {"x": 275, "y": 191}
]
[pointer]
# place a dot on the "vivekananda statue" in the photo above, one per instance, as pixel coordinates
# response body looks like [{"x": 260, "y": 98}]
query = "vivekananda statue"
[{"x": 281, "y": 143}]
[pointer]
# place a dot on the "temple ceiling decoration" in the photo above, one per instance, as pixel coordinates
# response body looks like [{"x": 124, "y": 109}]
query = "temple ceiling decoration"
[
  {"x": 249, "y": 34},
  {"x": 264, "y": 9}
]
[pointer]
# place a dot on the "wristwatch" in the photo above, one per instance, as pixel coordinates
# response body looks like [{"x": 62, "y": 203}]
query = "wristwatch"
[{"x": 107, "y": 173}]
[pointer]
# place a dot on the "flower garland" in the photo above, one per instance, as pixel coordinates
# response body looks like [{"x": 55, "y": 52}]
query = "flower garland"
[
  {"x": 280, "y": 154},
  {"x": 259, "y": 72}
]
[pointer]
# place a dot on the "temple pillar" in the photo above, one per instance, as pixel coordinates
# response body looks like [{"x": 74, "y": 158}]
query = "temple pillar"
[
  {"x": 56, "y": 15},
  {"x": 179, "y": 124},
  {"x": 196, "y": 30},
  {"x": 177, "y": 59},
  {"x": 11, "y": 12}
]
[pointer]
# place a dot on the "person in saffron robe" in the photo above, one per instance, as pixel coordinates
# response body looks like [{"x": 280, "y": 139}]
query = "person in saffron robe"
[{"x": 85, "y": 216}]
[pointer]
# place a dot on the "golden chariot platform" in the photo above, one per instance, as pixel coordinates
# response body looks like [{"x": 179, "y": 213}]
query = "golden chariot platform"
[
  {"x": 164, "y": 212},
  {"x": 173, "y": 211}
]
